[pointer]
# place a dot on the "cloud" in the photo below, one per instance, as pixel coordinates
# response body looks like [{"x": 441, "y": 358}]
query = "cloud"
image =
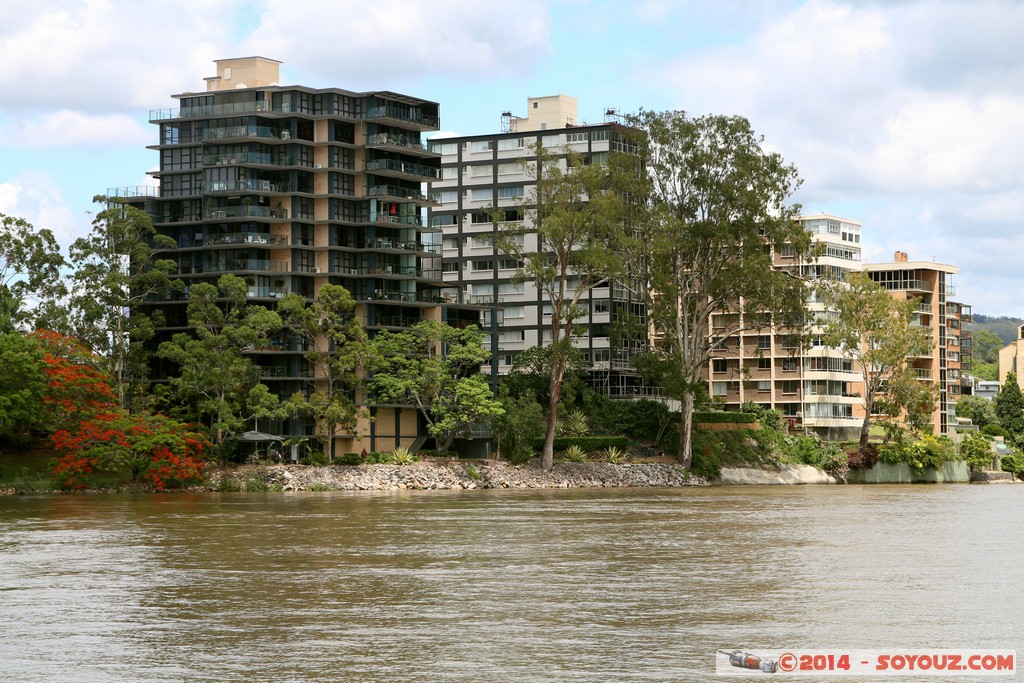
[
  {"x": 374, "y": 45},
  {"x": 36, "y": 197},
  {"x": 911, "y": 110},
  {"x": 65, "y": 128}
]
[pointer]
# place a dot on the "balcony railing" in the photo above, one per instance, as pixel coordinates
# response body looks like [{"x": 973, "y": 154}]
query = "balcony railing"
[
  {"x": 248, "y": 238},
  {"x": 395, "y": 141},
  {"x": 403, "y": 167},
  {"x": 402, "y": 192},
  {"x": 400, "y": 114},
  {"x": 400, "y": 220},
  {"x": 240, "y": 212},
  {"x": 229, "y": 132},
  {"x": 251, "y": 185}
]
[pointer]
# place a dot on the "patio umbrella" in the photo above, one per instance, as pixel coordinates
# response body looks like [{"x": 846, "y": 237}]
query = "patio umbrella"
[{"x": 255, "y": 436}]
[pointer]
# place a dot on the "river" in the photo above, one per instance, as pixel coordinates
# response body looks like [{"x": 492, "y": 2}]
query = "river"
[{"x": 524, "y": 586}]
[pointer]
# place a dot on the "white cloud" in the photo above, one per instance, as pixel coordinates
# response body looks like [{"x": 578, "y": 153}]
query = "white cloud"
[
  {"x": 65, "y": 128},
  {"x": 911, "y": 109},
  {"x": 375, "y": 45},
  {"x": 36, "y": 197}
]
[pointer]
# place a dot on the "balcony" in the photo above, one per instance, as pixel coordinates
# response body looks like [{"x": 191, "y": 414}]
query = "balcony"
[
  {"x": 232, "y": 132},
  {"x": 396, "y": 193},
  {"x": 402, "y": 143},
  {"x": 401, "y": 169},
  {"x": 237, "y": 265},
  {"x": 244, "y": 186},
  {"x": 260, "y": 158},
  {"x": 208, "y": 110},
  {"x": 923, "y": 374},
  {"x": 402, "y": 297},
  {"x": 399, "y": 220},
  {"x": 241, "y": 212},
  {"x": 406, "y": 115},
  {"x": 246, "y": 238}
]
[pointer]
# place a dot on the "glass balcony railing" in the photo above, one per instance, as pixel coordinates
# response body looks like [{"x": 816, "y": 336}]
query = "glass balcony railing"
[
  {"x": 250, "y": 185},
  {"x": 402, "y": 114},
  {"x": 229, "y": 132},
  {"x": 403, "y": 167},
  {"x": 246, "y": 238},
  {"x": 401, "y": 192},
  {"x": 239, "y": 212},
  {"x": 395, "y": 140}
]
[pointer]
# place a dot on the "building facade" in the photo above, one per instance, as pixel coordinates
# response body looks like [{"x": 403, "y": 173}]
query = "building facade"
[
  {"x": 951, "y": 358},
  {"x": 482, "y": 175},
  {"x": 816, "y": 388},
  {"x": 292, "y": 188}
]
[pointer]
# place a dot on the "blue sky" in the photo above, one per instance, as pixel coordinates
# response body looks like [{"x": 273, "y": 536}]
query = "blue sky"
[{"x": 905, "y": 115}]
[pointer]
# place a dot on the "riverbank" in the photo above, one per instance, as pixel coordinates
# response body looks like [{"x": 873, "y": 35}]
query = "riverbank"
[{"x": 450, "y": 475}]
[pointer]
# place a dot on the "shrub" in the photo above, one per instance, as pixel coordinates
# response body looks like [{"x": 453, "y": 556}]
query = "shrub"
[
  {"x": 473, "y": 473},
  {"x": 614, "y": 455},
  {"x": 315, "y": 457},
  {"x": 994, "y": 429},
  {"x": 349, "y": 459},
  {"x": 929, "y": 452},
  {"x": 575, "y": 424},
  {"x": 229, "y": 485},
  {"x": 320, "y": 486},
  {"x": 1012, "y": 462},
  {"x": 707, "y": 455},
  {"x": 403, "y": 456},
  {"x": 769, "y": 418},
  {"x": 976, "y": 450},
  {"x": 587, "y": 443},
  {"x": 730, "y": 417},
  {"x": 575, "y": 454}
]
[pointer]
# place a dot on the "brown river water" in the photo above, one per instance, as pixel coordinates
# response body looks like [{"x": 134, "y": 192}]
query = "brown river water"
[{"x": 498, "y": 585}]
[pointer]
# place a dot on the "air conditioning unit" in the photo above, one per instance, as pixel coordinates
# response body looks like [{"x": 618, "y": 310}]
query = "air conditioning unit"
[
  {"x": 318, "y": 165},
  {"x": 316, "y": 269}
]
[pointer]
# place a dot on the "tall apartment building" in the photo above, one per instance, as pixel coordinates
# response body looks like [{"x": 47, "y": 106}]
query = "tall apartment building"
[
  {"x": 291, "y": 188},
  {"x": 951, "y": 355},
  {"x": 480, "y": 173},
  {"x": 816, "y": 387}
]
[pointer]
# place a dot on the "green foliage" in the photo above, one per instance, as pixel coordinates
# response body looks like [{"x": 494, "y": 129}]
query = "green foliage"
[
  {"x": 1013, "y": 462},
  {"x": 575, "y": 453},
  {"x": 1010, "y": 406},
  {"x": 518, "y": 428},
  {"x": 315, "y": 458},
  {"x": 574, "y": 424},
  {"x": 29, "y": 482},
  {"x": 403, "y": 456},
  {"x": 707, "y": 454},
  {"x": 717, "y": 197},
  {"x": 473, "y": 473},
  {"x": 589, "y": 443},
  {"x": 530, "y": 375},
  {"x": 976, "y": 450},
  {"x": 319, "y": 486},
  {"x": 994, "y": 429},
  {"x": 257, "y": 480},
  {"x": 987, "y": 371},
  {"x": 979, "y": 411},
  {"x": 436, "y": 368},
  {"x": 30, "y": 273},
  {"x": 349, "y": 459},
  {"x": 769, "y": 418},
  {"x": 729, "y": 417},
  {"x": 986, "y": 346},
  {"x": 229, "y": 484},
  {"x": 614, "y": 455},
  {"x": 811, "y": 450},
  {"x": 928, "y": 452},
  {"x": 23, "y": 386}
]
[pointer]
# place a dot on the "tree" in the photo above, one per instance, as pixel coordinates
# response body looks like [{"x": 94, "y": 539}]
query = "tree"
[
  {"x": 77, "y": 387},
  {"x": 30, "y": 263},
  {"x": 435, "y": 367},
  {"x": 337, "y": 350},
  {"x": 117, "y": 268},
  {"x": 578, "y": 213},
  {"x": 873, "y": 328},
  {"x": 518, "y": 427},
  {"x": 23, "y": 384},
  {"x": 986, "y": 347},
  {"x": 1010, "y": 407},
  {"x": 718, "y": 200},
  {"x": 980, "y": 411},
  {"x": 530, "y": 375},
  {"x": 215, "y": 372}
]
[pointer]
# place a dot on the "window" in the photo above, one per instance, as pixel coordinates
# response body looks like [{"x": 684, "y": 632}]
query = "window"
[
  {"x": 513, "y": 312},
  {"x": 483, "y": 145},
  {"x": 482, "y": 194},
  {"x": 449, "y": 172},
  {"x": 449, "y": 267},
  {"x": 834, "y": 227},
  {"x": 576, "y": 137},
  {"x": 550, "y": 141},
  {"x": 789, "y": 364},
  {"x": 718, "y": 365},
  {"x": 789, "y": 341},
  {"x": 450, "y": 243},
  {"x": 764, "y": 363},
  {"x": 512, "y": 335},
  {"x": 444, "y": 147},
  {"x": 764, "y": 342},
  {"x": 720, "y": 388},
  {"x": 510, "y": 192},
  {"x": 483, "y": 265},
  {"x": 510, "y": 143},
  {"x": 764, "y": 387},
  {"x": 601, "y": 306},
  {"x": 481, "y": 170},
  {"x": 599, "y": 135},
  {"x": 509, "y": 264},
  {"x": 510, "y": 288},
  {"x": 509, "y": 169},
  {"x": 790, "y": 386},
  {"x": 449, "y": 196}
]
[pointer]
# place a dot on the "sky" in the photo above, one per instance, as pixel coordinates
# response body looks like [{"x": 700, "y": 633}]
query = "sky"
[{"x": 905, "y": 115}]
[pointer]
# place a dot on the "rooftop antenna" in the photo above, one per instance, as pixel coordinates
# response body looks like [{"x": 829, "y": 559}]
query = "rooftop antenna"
[
  {"x": 507, "y": 119},
  {"x": 611, "y": 115}
]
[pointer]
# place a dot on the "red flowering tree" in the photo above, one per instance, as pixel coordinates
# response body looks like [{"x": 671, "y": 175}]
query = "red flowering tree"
[
  {"x": 76, "y": 389},
  {"x": 151, "y": 448}
]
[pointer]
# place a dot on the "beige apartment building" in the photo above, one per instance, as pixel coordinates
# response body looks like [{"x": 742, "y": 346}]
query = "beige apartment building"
[{"x": 951, "y": 355}]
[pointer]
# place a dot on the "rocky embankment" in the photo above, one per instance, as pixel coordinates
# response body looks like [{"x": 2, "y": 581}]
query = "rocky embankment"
[{"x": 453, "y": 475}]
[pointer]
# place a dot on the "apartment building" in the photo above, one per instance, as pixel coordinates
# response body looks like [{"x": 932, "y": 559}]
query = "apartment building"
[
  {"x": 946, "y": 365},
  {"x": 816, "y": 387},
  {"x": 483, "y": 173},
  {"x": 1011, "y": 359},
  {"x": 291, "y": 188}
]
